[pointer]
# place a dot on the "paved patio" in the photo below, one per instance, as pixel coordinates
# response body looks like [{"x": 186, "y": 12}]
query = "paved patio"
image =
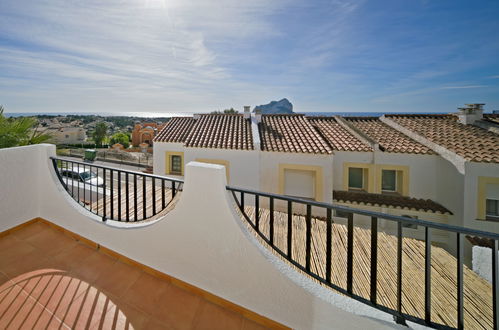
[{"x": 49, "y": 280}]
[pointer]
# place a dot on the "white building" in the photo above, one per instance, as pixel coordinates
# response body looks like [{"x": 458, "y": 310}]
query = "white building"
[
  {"x": 67, "y": 135},
  {"x": 442, "y": 168}
]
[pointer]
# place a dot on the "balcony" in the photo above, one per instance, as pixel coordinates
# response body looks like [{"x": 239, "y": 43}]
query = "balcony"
[
  {"x": 133, "y": 253},
  {"x": 51, "y": 278}
]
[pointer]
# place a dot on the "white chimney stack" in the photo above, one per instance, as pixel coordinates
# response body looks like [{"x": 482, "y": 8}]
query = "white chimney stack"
[
  {"x": 258, "y": 115},
  {"x": 247, "y": 112},
  {"x": 471, "y": 113}
]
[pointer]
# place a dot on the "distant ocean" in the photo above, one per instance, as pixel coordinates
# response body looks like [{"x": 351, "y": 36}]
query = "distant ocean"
[{"x": 183, "y": 114}]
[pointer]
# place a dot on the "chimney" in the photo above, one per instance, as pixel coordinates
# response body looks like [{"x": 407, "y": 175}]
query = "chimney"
[
  {"x": 471, "y": 113},
  {"x": 247, "y": 112},
  {"x": 258, "y": 115}
]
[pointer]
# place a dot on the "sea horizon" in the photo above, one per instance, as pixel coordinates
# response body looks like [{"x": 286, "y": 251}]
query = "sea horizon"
[{"x": 185, "y": 114}]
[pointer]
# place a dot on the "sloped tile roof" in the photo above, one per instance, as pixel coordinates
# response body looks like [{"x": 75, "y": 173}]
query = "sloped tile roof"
[
  {"x": 223, "y": 131},
  {"x": 388, "y": 138},
  {"x": 338, "y": 137},
  {"x": 468, "y": 141},
  {"x": 291, "y": 133},
  {"x": 175, "y": 130},
  {"x": 404, "y": 202}
]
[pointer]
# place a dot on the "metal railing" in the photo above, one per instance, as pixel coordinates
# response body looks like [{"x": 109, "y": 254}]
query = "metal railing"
[
  {"x": 116, "y": 194},
  {"x": 288, "y": 203}
]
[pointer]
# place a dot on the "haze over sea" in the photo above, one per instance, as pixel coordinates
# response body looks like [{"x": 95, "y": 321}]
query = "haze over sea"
[{"x": 184, "y": 114}]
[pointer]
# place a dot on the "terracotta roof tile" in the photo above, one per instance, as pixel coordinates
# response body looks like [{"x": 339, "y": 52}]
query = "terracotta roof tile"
[
  {"x": 223, "y": 131},
  {"x": 388, "y": 138},
  {"x": 468, "y": 141},
  {"x": 175, "y": 130},
  {"x": 337, "y": 136},
  {"x": 291, "y": 133},
  {"x": 388, "y": 200}
]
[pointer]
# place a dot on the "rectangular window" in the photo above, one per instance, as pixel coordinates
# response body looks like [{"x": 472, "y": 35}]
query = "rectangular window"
[
  {"x": 176, "y": 164},
  {"x": 492, "y": 209},
  {"x": 389, "y": 180},
  {"x": 355, "y": 178}
]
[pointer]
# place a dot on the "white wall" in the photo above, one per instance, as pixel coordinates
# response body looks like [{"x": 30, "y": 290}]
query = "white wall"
[
  {"x": 159, "y": 155},
  {"x": 19, "y": 185},
  {"x": 269, "y": 170},
  {"x": 205, "y": 245},
  {"x": 244, "y": 167}
]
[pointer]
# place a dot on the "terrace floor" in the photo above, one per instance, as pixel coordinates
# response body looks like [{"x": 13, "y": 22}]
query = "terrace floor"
[{"x": 50, "y": 280}]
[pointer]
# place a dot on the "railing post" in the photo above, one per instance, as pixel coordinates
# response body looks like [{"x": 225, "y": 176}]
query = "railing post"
[
  {"x": 308, "y": 237},
  {"x": 460, "y": 255},
  {"x": 135, "y": 197},
  {"x": 427, "y": 295},
  {"x": 374, "y": 258},
  {"x": 290, "y": 230},
  {"x": 127, "y": 202},
  {"x": 111, "y": 202},
  {"x": 399, "y": 318},
  {"x": 242, "y": 201},
  {"x": 144, "y": 206},
  {"x": 104, "y": 187},
  {"x": 495, "y": 284},
  {"x": 173, "y": 189},
  {"x": 163, "y": 201},
  {"x": 257, "y": 212},
  {"x": 329, "y": 243},
  {"x": 350, "y": 253},
  {"x": 153, "y": 196},
  {"x": 271, "y": 229}
]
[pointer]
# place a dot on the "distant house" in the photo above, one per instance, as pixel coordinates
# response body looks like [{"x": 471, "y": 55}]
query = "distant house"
[
  {"x": 443, "y": 168},
  {"x": 67, "y": 135},
  {"x": 144, "y": 133}
]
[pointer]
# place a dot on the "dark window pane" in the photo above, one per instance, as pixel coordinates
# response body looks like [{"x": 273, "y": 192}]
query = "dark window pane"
[
  {"x": 492, "y": 207},
  {"x": 389, "y": 180},
  {"x": 355, "y": 179},
  {"x": 176, "y": 164}
]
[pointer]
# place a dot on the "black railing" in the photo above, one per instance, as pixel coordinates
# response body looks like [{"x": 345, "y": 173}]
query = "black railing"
[
  {"x": 253, "y": 215},
  {"x": 116, "y": 194}
]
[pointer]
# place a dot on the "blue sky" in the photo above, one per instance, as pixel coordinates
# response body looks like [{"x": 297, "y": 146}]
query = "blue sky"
[{"x": 199, "y": 56}]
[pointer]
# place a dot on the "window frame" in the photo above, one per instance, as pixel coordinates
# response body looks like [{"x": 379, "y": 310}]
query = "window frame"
[
  {"x": 172, "y": 170},
  {"x": 489, "y": 216},
  {"x": 396, "y": 175},
  {"x": 362, "y": 179}
]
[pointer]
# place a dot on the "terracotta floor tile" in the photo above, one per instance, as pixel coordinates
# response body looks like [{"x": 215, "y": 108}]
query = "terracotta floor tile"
[
  {"x": 117, "y": 279},
  {"x": 64, "y": 291},
  {"x": 51, "y": 241},
  {"x": 24, "y": 263},
  {"x": 176, "y": 307},
  {"x": 154, "y": 324},
  {"x": 68, "y": 259},
  {"x": 4, "y": 281},
  {"x": 145, "y": 293},
  {"x": 122, "y": 317},
  {"x": 211, "y": 316},
  {"x": 88, "y": 309},
  {"x": 13, "y": 251},
  {"x": 250, "y": 325},
  {"x": 30, "y": 230},
  {"x": 90, "y": 268},
  {"x": 14, "y": 305}
]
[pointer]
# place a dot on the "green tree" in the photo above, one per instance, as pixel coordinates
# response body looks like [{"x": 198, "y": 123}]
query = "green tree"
[
  {"x": 226, "y": 111},
  {"x": 121, "y": 138},
  {"x": 20, "y": 131},
  {"x": 100, "y": 133}
]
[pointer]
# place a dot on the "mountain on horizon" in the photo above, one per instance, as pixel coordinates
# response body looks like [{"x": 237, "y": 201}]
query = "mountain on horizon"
[{"x": 275, "y": 107}]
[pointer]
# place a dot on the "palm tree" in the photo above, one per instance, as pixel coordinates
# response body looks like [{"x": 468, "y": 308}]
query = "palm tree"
[{"x": 20, "y": 131}]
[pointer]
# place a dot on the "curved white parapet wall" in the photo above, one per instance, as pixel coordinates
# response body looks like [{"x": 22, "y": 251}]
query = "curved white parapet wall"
[{"x": 201, "y": 241}]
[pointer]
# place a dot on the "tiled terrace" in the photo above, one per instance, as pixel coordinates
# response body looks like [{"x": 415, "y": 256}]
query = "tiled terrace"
[{"x": 50, "y": 280}]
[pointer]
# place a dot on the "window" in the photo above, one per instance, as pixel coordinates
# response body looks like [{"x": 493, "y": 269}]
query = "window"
[
  {"x": 175, "y": 164},
  {"x": 492, "y": 209},
  {"x": 298, "y": 183},
  {"x": 389, "y": 180},
  {"x": 355, "y": 178}
]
